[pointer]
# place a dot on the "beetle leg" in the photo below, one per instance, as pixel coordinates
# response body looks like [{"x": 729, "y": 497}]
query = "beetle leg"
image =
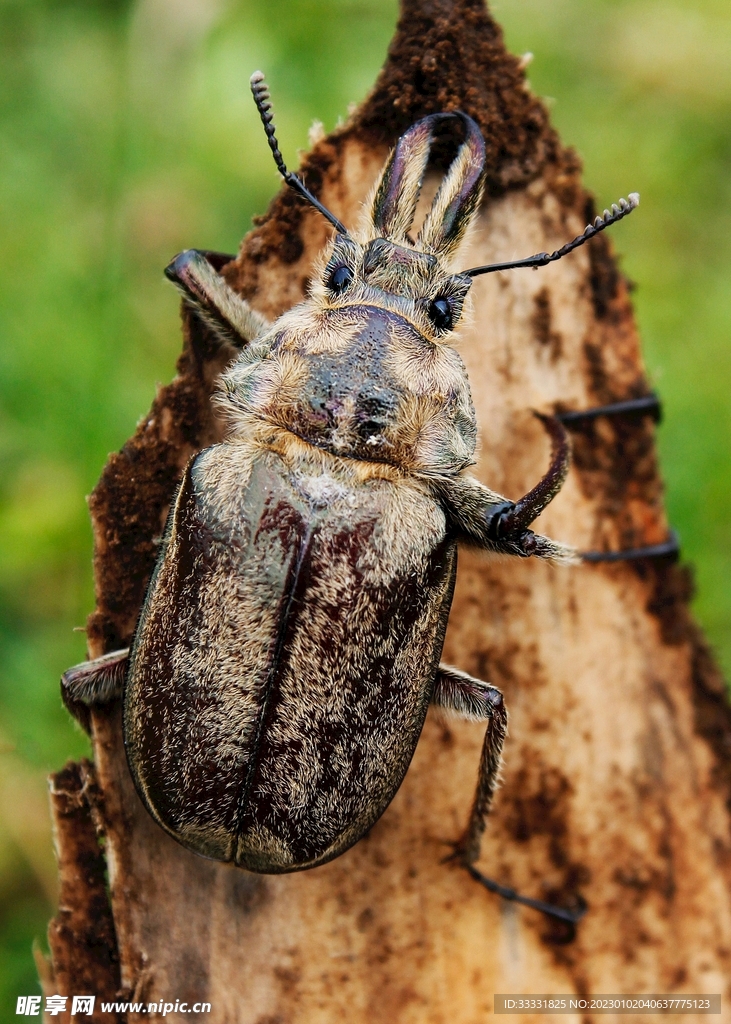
[
  {"x": 515, "y": 519},
  {"x": 646, "y": 405},
  {"x": 203, "y": 289},
  {"x": 470, "y": 698},
  {"x": 486, "y": 519},
  {"x": 96, "y": 682}
]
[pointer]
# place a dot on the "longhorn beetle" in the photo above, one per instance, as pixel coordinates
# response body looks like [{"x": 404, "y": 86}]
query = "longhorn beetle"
[{"x": 289, "y": 644}]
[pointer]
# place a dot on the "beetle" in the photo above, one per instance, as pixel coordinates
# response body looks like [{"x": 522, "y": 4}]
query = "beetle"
[{"x": 290, "y": 639}]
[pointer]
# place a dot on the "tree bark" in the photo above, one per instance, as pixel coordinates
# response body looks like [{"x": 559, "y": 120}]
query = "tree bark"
[{"x": 617, "y": 783}]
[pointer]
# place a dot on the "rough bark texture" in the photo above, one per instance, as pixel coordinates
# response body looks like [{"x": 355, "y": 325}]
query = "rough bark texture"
[
  {"x": 617, "y": 784},
  {"x": 81, "y": 937}
]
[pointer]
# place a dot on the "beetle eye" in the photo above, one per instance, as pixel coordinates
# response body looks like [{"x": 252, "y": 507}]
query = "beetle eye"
[
  {"x": 440, "y": 314},
  {"x": 340, "y": 279}
]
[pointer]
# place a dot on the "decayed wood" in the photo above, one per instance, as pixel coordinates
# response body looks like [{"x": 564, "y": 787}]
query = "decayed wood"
[
  {"x": 81, "y": 937},
  {"x": 616, "y": 780}
]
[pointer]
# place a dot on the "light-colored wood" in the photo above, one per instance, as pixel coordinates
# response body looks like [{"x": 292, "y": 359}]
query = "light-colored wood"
[{"x": 610, "y": 789}]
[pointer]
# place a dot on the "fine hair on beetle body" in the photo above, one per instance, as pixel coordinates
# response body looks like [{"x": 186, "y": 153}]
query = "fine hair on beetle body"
[{"x": 290, "y": 640}]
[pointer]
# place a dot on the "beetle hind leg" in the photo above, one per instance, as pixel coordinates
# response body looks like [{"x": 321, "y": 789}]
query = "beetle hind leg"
[{"x": 471, "y": 698}]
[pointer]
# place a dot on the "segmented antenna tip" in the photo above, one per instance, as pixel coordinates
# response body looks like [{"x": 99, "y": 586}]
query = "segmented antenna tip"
[
  {"x": 260, "y": 92},
  {"x": 600, "y": 222}
]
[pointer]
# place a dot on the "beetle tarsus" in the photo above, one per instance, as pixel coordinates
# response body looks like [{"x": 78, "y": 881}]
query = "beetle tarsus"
[
  {"x": 646, "y": 405},
  {"x": 669, "y": 548},
  {"x": 561, "y": 913},
  {"x": 571, "y": 916}
]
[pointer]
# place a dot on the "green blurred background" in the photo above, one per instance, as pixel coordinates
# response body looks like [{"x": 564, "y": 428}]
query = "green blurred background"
[{"x": 128, "y": 134}]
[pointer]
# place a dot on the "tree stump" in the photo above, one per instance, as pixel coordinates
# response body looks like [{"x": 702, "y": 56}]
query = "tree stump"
[{"x": 616, "y": 776}]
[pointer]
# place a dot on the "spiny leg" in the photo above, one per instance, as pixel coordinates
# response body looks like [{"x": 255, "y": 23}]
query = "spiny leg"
[
  {"x": 471, "y": 698},
  {"x": 646, "y": 405},
  {"x": 482, "y": 518}
]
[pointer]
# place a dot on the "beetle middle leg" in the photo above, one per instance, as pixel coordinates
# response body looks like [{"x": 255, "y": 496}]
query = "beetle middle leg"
[
  {"x": 471, "y": 698},
  {"x": 96, "y": 682}
]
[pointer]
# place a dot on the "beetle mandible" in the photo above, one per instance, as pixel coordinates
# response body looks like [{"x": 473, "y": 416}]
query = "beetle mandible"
[{"x": 289, "y": 644}]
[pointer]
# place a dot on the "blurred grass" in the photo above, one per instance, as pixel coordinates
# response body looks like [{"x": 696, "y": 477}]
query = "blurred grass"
[{"x": 128, "y": 134}]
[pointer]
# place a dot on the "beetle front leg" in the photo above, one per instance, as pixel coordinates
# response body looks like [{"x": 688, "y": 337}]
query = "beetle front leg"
[
  {"x": 195, "y": 275},
  {"x": 485, "y": 519},
  {"x": 471, "y": 698}
]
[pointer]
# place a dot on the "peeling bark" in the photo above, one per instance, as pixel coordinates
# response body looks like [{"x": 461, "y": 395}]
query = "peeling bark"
[
  {"x": 616, "y": 781},
  {"x": 84, "y": 953}
]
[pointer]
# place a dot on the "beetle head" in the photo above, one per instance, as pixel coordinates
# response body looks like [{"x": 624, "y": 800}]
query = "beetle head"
[
  {"x": 361, "y": 368},
  {"x": 380, "y": 265}
]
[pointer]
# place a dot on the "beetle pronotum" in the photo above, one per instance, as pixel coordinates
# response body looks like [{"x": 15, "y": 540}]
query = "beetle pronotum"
[{"x": 289, "y": 644}]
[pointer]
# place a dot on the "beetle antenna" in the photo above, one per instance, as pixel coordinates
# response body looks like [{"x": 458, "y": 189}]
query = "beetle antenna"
[
  {"x": 609, "y": 217},
  {"x": 260, "y": 92}
]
